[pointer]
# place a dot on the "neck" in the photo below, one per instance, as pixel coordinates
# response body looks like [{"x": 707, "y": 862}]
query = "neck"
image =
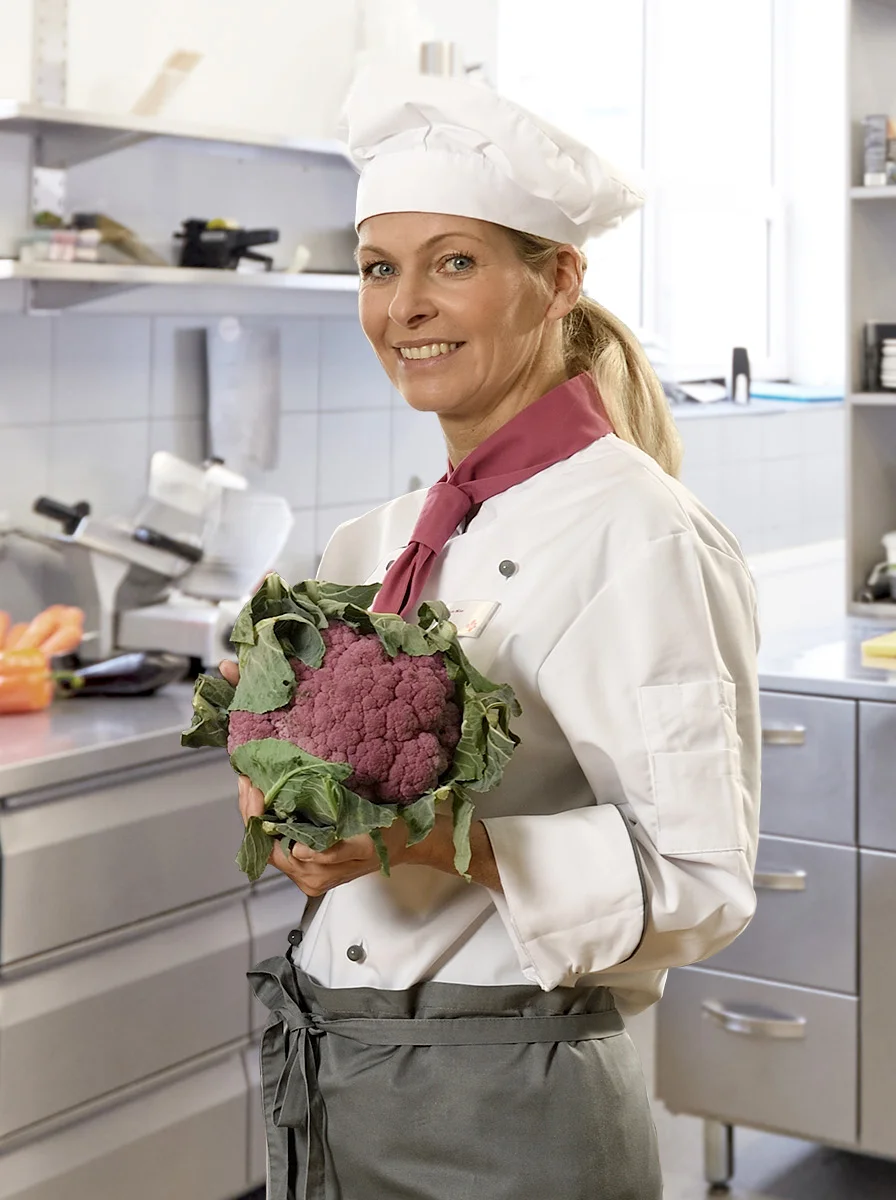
[{"x": 463, "y": 433}]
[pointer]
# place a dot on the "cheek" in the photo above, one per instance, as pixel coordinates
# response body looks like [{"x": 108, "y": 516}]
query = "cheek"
[{"x": 373, "y": 314}]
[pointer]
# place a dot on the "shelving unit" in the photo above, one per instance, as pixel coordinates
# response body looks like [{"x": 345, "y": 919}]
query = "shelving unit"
[
  {"x": 69, "y": 136},
  {"x": 871, "y": 296},
  {"x": 57, "y": 285}
]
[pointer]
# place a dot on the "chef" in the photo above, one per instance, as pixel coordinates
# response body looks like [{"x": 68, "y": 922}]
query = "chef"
[{"x": 438, "y": 1039}]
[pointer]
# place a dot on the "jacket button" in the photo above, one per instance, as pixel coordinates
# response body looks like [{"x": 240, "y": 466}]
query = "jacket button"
[
  {"x": 295, "y": 937},
  {"x": 508, "y": 568},
  {"x": 355, "y": 954}
]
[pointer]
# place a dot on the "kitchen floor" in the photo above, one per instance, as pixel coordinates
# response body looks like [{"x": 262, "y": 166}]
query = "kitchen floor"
[{"x": 766, "y": 1167}]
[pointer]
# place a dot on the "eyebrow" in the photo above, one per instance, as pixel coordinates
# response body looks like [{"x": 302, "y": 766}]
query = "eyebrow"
[{"x": 439, "y": 237}]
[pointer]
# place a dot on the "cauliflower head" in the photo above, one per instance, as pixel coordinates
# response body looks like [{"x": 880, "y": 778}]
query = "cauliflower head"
[{"x": 394, "y": 720}]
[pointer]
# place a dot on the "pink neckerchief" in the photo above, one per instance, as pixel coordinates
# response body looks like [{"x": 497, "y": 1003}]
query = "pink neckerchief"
[{"x": 559, "y": 424}]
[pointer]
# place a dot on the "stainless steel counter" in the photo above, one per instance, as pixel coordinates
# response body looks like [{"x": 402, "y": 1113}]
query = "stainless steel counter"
[
  {"x": 76, "y": 738},
  {"x": 825, "y": 662}
]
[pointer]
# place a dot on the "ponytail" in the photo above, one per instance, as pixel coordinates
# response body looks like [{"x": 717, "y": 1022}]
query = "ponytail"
[{"x": 596, "y": 341}]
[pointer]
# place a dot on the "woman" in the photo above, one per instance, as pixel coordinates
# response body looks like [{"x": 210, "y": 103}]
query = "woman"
[{"x": 440, "y": 1040}]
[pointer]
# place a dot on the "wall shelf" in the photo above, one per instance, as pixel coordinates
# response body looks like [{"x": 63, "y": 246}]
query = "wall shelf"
[
  {"x": 56, "y": 285},
  {"x": 874, "y": 399},
  {"x": 873, "y": 193},
  {"x": 882, "y": 609},
  {"x": 69, "y": 136}
]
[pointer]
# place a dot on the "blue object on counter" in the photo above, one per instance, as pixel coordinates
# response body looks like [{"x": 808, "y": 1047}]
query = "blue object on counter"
[{"x": 795, "y": 392}]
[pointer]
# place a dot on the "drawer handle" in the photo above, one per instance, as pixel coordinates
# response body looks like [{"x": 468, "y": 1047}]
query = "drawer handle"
[
  {"x": 781, "y": 881},
  {"x": 784, "y": 735},
  {"x": 755, "y": 1020}
]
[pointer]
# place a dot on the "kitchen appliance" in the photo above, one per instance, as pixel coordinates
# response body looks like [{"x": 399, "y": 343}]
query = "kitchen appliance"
[
  {"x": 221, "y": 246},
  {"x": 174, "y": 577}
]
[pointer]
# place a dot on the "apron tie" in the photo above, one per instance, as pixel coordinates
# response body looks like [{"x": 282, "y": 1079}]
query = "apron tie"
[{"x": 295, "y": 1102}]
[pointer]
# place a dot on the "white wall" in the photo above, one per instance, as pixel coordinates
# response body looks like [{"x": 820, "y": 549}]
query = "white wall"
[
  {"x": 15, "y": 49},
  {"x": 812, "y": 168}
]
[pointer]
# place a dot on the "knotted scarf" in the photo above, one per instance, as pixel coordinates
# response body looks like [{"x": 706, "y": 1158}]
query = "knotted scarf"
[{"x": 557, "y": 425}]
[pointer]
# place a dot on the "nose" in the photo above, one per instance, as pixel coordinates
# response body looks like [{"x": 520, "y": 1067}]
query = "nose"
[{"x": 411, "y": 304}]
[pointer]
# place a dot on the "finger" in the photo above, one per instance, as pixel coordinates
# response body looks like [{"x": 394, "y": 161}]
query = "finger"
[
  {"x": 242, "y": 785},
  {"x": 254, "y": 801},
  {"x": 230, "y": 670},
  {"x": 348, "y": 850}
]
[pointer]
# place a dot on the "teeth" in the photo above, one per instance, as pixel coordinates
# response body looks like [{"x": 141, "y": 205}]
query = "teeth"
[{"x": 431, "y": 351}]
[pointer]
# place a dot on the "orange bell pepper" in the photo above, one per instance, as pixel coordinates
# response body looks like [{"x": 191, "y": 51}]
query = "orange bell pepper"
[{"x": 26, "y": 684}]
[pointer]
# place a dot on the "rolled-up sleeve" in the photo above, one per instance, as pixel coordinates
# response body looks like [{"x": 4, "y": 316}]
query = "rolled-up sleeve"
[{"x": 654, "y": 685}]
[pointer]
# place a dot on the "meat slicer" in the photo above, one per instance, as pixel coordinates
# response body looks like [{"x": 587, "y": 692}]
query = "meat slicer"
[{"x": 174, "y": 577}]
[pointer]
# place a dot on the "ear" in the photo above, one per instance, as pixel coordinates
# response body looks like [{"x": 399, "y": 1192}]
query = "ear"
[{"x": 569, "y": 269}]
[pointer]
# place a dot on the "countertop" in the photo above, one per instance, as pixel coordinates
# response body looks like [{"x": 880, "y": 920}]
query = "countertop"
[{"x": 79, "y": 738}]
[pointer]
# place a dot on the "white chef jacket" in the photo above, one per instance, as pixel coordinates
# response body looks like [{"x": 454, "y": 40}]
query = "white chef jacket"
[{"x": 625, "y": 827}]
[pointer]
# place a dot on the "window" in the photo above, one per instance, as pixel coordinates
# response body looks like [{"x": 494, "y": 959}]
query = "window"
[{"x": 685, "y": 89}]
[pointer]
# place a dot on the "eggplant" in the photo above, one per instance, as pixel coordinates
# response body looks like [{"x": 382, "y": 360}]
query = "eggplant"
[{"x": 134, "y": 674}]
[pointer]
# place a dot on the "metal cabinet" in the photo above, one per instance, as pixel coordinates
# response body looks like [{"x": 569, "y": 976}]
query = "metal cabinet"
[
  {"x": 878, "y": 1099},
  {"x": 738, "y": 1043},
  {"x": 175, "y": 826},
  {"x": 759, "y": 1053},
  {"x": 183, "y": 1139},
  {"x": 805, "y": 927},
  {"x": 76, "y": 1030},
  {"x": 877, "y": 775},
  {"x": 808, "y": 767}
]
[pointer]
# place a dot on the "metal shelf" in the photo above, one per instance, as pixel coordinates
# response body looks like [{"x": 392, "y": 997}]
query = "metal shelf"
[
  {"x": 883, "y": 609},
  {"x": 58, "y": 285},
  {"x": 873, "y": 193},
  {"x": 874, "y": 399},
  {"x": 70, "y": 136}
]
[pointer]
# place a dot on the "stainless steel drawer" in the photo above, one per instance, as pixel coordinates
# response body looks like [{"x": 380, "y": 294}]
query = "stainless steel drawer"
[
  {"x": 808, "y": 767},
  {"x": 760, "y": 1054},
  {"x": 878, "y": 1071},
  {"x": 114, "y": 853},
  {"x": 273, "y": 909},
  {"x": 258, "y": 1155},
  {"x": 187, "y": 1139},
  {"x": 804, "y": 930},
  {"x": 72, "y": 1032},
  {"x": 877, "y": 776}
]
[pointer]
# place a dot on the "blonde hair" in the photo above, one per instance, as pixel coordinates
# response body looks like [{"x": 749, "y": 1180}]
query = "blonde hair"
[{"x": 596, "y": 341}]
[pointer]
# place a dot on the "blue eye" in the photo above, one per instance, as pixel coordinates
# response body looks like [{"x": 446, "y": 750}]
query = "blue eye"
[
  {"x": 372, "y": 271},
  {"x": 459, "y": 262}
]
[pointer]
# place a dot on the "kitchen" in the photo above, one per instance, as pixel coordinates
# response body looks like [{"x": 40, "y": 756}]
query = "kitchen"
[{"x": 763, "y": 232}]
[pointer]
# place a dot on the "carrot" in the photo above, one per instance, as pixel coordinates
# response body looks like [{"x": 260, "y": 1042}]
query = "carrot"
[
  {"x": 30, "y": 693},
  {"x": 15, "y": 636},
  {"x": 41, "y": 627},
  {"x": 5, "y": 622},
  {"x": 67, "y": 636}
]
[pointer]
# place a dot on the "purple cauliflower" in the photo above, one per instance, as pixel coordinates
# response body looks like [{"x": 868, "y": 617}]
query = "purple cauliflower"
[{"x": 395, "y": 721}]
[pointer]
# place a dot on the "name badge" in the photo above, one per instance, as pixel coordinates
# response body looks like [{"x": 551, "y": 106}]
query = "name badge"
[{"x": 472, "y": 616}]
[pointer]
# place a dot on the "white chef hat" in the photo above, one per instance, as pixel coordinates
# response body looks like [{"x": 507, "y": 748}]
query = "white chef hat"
[{"x": 427, "y": 143}]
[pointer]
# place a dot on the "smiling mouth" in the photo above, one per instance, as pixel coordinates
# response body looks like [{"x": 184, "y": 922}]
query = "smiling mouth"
[{"x": 426, "y": 355}]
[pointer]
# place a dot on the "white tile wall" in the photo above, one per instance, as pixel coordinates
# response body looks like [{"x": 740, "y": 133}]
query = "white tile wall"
[{"x": 85, "y": 400}]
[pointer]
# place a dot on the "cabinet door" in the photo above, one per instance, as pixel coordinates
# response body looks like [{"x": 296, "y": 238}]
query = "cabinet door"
[
  {"x": 183, "y": 1141},
  {"x": 808, "y": 767},
  {"x": 877, "y": 776},
  {"x": 273, "y": 910},
  {"x": 878, "y": 982},
  {"x": 805, "y": 927},
  {"x": 761, "y": 1054},
  {"x": 74, "y": 1031},
  {"x": 111, "y": 853},
  {"x": 258, "y": 1154}
]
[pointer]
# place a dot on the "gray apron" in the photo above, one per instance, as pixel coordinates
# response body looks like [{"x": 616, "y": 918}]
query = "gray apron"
[{"x": 450, "y": 1092}]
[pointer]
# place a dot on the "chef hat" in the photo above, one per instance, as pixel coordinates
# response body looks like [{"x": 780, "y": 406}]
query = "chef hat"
[{"x": 427, "y": 143}]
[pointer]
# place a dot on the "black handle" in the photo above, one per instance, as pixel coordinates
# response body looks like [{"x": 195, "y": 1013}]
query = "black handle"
[
  {"x": 161, "y": 541},
  {"x": 69, "y": 516}
]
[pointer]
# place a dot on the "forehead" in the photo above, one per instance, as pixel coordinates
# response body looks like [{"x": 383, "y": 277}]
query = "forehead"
[{"x": 411, "y": 231}]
